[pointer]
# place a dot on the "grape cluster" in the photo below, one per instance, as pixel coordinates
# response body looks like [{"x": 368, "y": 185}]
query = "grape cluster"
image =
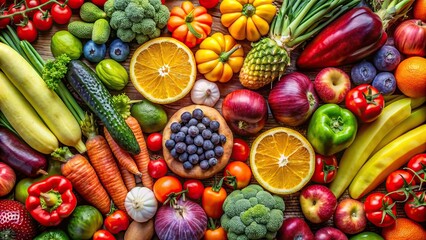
[{"x": 196, "y": 140}]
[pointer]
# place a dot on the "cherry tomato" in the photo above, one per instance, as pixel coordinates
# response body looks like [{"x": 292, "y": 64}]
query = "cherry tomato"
[
  {"x": 212, "y": 201},
  {"x": 380, "y": 209},
  {"x": 2, "y": 2},
  {"x": 31, "y": 4},
  {"x": 61, "y": 14},
  {"x": 215, "y": 234},
  {"x": 195, "y": 188},
  {"x": 42, "y": 20},
  {"x": 154, "y": 142},
  {"x": 415, "y": 207},
  {"x": 16, "y": 8},
  {"x": 157, "y": 167},
  {"x": 75, "y": 4},
  {"x": 365, "y": 101},
  {"x": 240, "y": 150},
  {"x": 27, "y": 32},
  {"x": 418, "y": 165},
  {"x": 103, "y": 235},
  {"x": 46, "y": 7},
  {"x": 325, "y": 169},
  {"x": 116, "y": 222},
  {"x": 241, "y": 171},
  {"x": 395, "y": 182},
  {"x": 166, "y": 185},
  {"x": 4, "y": 21},
  {"x": 99, "y": 3},
  {"x": 209, "y": 3}
]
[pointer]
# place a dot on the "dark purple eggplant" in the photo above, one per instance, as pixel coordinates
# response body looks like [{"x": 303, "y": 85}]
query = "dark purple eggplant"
[{"x": 21, "y": 157}]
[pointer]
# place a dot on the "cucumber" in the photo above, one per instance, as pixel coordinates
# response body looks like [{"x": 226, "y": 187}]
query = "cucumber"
[{"x": 90, "y": 88}]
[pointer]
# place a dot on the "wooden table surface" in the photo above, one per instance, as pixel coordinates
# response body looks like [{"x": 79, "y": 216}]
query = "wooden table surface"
[{"x": 292, "y": 201}]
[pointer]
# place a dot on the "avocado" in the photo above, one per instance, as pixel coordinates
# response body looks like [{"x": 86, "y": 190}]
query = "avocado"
[{"x": 89, "y": 12}]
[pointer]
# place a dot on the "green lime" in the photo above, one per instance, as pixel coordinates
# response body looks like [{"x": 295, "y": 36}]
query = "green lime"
[{"x": 150, "y": 116}]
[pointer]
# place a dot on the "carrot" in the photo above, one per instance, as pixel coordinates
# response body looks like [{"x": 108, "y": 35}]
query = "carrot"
[
  {"x": 83, "y": 178},
  {"x": 124, "y": 159},
  {"x": 129, "y": 178},
  {"x": 103, "y": 162}
]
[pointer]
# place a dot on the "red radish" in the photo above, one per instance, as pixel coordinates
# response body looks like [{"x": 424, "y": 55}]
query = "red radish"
[
  {"x": 15, "y": 221},
  {"x": 7, "y": 179}
]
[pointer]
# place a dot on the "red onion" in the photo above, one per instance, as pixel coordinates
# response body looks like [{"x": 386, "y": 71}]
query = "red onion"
[
  {"x": 410, "y": 37},
  {"x": 185, "y": 220},
  {"x": 293, "y": 99},
  {"x": 245, "y": 111}
]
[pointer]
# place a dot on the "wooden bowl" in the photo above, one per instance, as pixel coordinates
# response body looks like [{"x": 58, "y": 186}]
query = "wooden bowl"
[{"x": 196, "y": 172}]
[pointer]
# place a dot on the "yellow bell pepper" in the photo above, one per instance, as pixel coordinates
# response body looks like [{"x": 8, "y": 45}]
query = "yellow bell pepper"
[
  {"x": 247, "y": 19},
  {"x": 219, "y": 57}
]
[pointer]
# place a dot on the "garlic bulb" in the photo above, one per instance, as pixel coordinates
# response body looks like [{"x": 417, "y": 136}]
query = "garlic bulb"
[{"x": 205, "y": 92}]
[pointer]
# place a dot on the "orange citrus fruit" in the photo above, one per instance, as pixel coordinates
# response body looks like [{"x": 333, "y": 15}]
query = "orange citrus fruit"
[
  {"x": 163, "y": 70},
  {"x": 419, "y": 10},
  {"x": 404, "y": 229},
  {"x": 282, "y": 160},
  {"x": 410, "y": 77}
]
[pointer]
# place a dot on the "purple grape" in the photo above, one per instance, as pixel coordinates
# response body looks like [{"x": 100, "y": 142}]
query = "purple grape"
[
  {"x": 204, "y": 165},
  {"x": 218, "y": 151},
  {"x": 207, "y": 134},
  {"x": 187, "y": 165},
  {"x": 191, "y": 149},
  {"x": 215, "y": 138},
  {"x": 198, "y": 114},
  {"x": 180, "y": 147},
  {"x": 206, "y": 121},
  {"x": 189, "y": 140},
  {"x": 180, "y": 137},
  {"x": 198, "y": 141},
  {"x": 185, "y": 117},
  {"x": 212, "y": 161},
  {"x": 193, "y": 158},
  {"x": 193, "y": 131},
  {"x": 175, "y": 127},
  {"x": 170, "y": 144},
  {"x": 209, "y": 154},
  {"x": 208, "y": 145},
  {"x": 183, "y": 157},
  {"x": 214, "y": 125}
]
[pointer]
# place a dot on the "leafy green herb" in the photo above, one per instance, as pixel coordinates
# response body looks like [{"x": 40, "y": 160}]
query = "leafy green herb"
[{"x": 55, "y": 70}]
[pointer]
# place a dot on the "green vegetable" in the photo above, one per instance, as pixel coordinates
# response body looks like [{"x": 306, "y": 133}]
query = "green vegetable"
[
  {"x": 81, "y": 29},
  {"x": 252, "y": 213},
  {"x": 137, "y": 19},
  {"x": 101, "y": 31},
  {"x": 52, "y": 234},
  {"x": 55, "y": 70},
  {"x": 63, "y": 42},
  {"x": 112, "y": 74},
  {"x": 90, "y": 88},
  {"x": 89, "y": 12},
  {"x": 84, "y": 222},
  {"x": 366, "y": 236},
  {"x": 152, "y": 117},
  {"x": 331, "y": 129}
]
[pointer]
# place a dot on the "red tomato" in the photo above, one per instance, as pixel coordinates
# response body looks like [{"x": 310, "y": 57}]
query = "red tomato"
[
  {"x": 61, "y": 14},
  {"x": 99, "y": 3},
  {"x": 2, "y": 2},
  {"x": 400, "y": 189},
  {"x": 418, "y": 165},
  {"x": 380, "y": 209},
  {"x": 75, "y": 4},
  {"x": 154, "y": 142},
  {"x": 15, "y": 8},
  {"x": 27, "y": 32},
  {"x": 240, "y": 150},
  {"x": 365, "y": 101},
  {"x": 157, "y": 167},
  {"x": 325, "y": 169},
  {"x": 4, "y": 21},
  {"x": 117, "y": 221},
  {"x": 46, "y": 7},
  {"x": 166, "y": 185},
  {"x": 42, "y": 21},
  {"x": 215, "y": 234},
  {"x": 103, "y": 235},
  {"x": 415, "y": 208},
  {"x": 242, "y": 173},
  {"x": 31, "y": 4},
  {"x": 212, "y": 201},
  {"x": 195, "y": 188},
  {"x": 209, "y": 3}
]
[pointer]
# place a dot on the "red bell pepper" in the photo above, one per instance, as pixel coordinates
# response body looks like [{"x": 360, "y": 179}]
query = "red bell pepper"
[
  {"x": 366, "y": 102},
  {"x": 51, "y": 200}
]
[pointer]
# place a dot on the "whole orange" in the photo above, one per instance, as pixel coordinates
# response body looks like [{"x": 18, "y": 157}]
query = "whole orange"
[
  {"x": 404, "y": 229},
  {"x": 419, "y": 10},
  {"x": 410, "y": 77}
]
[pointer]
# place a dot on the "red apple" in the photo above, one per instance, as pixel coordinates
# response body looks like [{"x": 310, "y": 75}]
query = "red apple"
[
  {"x": 295, "y": 228},
  {"x": 7, "y": 179},
  {"x": 318, "y": 203},
  {"x": 349, "y": 216},
  {"x": 332, "y": 85},
  {"x": 330, "y": 233}
]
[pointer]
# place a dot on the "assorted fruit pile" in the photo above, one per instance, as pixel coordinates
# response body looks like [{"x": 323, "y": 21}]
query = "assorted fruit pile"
[{"x": 80, "y": 159}]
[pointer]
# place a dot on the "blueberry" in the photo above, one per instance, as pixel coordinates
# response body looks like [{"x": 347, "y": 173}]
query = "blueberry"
[
  {"x": 191, "y": 149},
  {"x": 94, "y": 52},
  {"x": 201, "y": 127},
  {"x": 193, "y": 131},
  {"x": 218, "y": 151},
  {"x": 187, "y": 165},
  {"x": 174, "y": 153},
  {"x": 184, "y": 129},
  {"x": 180, "y": 137},
  {"x": 212, "y": 161},
  {"x": 180, "y": 147},
  {"x": 175, "y": 127},
  {"x": 185, "y": 117},
  {"x": 214, "y": 125},
  {"x": 215, "y": 138},
  {"x": 207, "y": 134},
  {"x": 198, "y": 114},
  {"x": 363, "y": 72},
  {"x": 204, "y": 165},
  {"x": 198, "y": 141},
  {"x": 193, "y": 122},
  {"x": 200, "y": 150},
  {"x": 387, "y": 58},
  {"x": 183, "y": 157},
  {"x": 201, "y": 157},
  {"x": 222, "y": 138},
  {"x": 385, "y": 82},
  {"x": 209, "y": 154},
  {"x": 189, "y": 140},
  {"x": 173, "y": 136},
  {"x": 193, "y": 158},
  {"x": 206, "y": 121},
  {"x": 119, "y": 50},
  {"x": 208, "y": 145},
  {"x": 170, "y": 144}
]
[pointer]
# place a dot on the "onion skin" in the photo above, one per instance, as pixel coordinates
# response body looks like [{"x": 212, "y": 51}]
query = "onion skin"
[
  {"x": 245, "y": 111},
  {"x": 186, "y": 220},
  {"x": 293, "y": 99},
  {"x": 410, "y": 38}
]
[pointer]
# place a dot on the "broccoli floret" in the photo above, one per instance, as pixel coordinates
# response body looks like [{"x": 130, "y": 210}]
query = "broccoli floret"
[
  {"x": 121, "y": 4},
  {"x": 148, "y": 8},
  {"x": 279, "y": 203},
  {"x": 236, "y": 226},
  {"x": 134, "y": 12},
  {"x": 242, "y": 205},
  {"x": 126, "y": 35},
  {"x": 109, "y": 7},
  {"x": 256, "y": 187},
  {"x": 232, "y": 197},
  {"x": 119, "y": 20},
  {"x": 146, "y": 26},
  {"x": 224, "y": 222},
  {"x": 156, "y": 4},
  {"x": 242, "y": 237},
  {"x": 265, "y": 198},
  {"x": 255, "y": 231},
  {"x": 141, "y": 38},
  {"x": 253, "y": 201},
  {"x": 155, "y": 34},
  {"x": 249, "y": 192},
  {"x": 162, "y": 16},
  {"x": 275, "y": 221},
  {"x": 271, "y": 235},
  {"x": 258, "y": 213}
]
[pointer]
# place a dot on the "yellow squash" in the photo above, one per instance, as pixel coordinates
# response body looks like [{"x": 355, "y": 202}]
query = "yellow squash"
[
  {"x": 219, "y": 57},
  {"x": 247, "y": 19}
]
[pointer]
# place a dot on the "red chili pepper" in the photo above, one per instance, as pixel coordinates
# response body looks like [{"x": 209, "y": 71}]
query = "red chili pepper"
[
  {"x": 366, "y": 102},
  {"x": 51, "y": 200}
]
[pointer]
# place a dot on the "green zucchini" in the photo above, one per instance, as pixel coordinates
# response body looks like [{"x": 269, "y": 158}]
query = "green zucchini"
[{"x": 90, "y": 88}]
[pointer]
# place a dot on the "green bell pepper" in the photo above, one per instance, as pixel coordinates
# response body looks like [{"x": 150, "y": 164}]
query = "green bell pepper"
[
  {"x": 366, "y": 236},
  {"x": 53, "y": 234},
  {"x": 331, "y": 129}
]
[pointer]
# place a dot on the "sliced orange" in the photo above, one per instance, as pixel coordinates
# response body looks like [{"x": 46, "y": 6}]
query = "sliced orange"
[
  {"x": 163, "y": 70},
  {"x": 282, "y": 160}
]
